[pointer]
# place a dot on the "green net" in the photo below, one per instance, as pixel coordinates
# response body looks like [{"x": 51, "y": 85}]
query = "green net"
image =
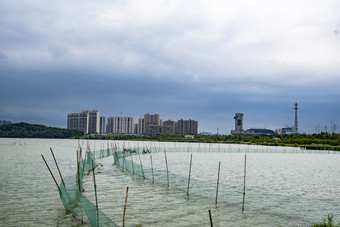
[{"x": 71, "y": 192}]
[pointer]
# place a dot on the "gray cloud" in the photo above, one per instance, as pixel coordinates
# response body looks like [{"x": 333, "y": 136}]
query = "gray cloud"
[{"x": 195, "y": 59}]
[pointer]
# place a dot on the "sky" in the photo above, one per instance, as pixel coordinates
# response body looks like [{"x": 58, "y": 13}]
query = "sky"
[{"x": 193, "y": 59}]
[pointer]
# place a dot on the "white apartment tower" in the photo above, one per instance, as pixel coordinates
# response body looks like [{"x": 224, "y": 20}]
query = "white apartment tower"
[
  {"x": 102, "y": 125},
  {"x": 120, "y": 125},
  {"x": 86, "y": 121},
  {"x": 94, "y": 120},
  {"x": 140, "y": 126}
]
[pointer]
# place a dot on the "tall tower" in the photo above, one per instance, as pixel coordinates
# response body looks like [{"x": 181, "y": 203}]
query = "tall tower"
[
  {"x": 296, "y": 127},
  {"x": 238, "y": 124}
]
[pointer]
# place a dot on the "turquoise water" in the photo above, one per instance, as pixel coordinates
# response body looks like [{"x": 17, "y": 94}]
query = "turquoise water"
[{"x": 284, "y": 187}]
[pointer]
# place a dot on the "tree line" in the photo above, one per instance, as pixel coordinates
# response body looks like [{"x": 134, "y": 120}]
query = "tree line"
[
  {"x": 325, "y": 139},
  {"x": 25, "y": 130}
]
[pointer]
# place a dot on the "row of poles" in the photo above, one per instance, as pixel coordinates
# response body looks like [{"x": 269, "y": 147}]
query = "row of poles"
[
  {"x": 218, "y": 181},
  {"x": 188, "y": 187},
  {"x": 190, "y": 167},
  {"x": 167, "y": 170}
]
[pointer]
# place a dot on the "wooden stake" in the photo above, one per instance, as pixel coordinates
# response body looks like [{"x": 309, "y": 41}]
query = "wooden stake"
[
  {"x": 84, "y": 162},
  {"x": 133, "y": 169},
  {"x": 78, "y": 172},
  {"x": 189, "y": 175},
  {"x": 62, "y": 180},
  {"x": 153, "y": 180},
  {"x": 141, "y": 165},
  {"x": 95, "y": 193},
  {"x": 124, "y": 161},
  {"x": 126, "y": 197},
  {"x": 244, "y": 183},
  {"x": 218, "y": 181},
  {"x": 50, "y": 172},
  {"x": 167, "y": 171},
  {"x": 211, "y": 222}
]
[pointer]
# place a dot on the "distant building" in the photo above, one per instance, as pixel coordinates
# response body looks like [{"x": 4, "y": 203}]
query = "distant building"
[
  {"x": 150, "y": 120},
  {"x": 73, "y": 121},
  {"x": 151, "y": 124},
  {"x": 239, "y": 127},
  {"x": 238, "y": 124},
  {"x": 253, "y": 131},
  {"x": 102, "y": 125},
  {"x": 140, "y": 126},
  {"x": 159, "y": 129},
  {"x": 120, "y": 125},
  {"x": 205, "y": 133},
  {"x": 83, "y": 121},
  {"x": 4, "y": 122},
  {"x": 287, "y": 131},
  {"x": 94, "y": 121},
  {"x": 86, "y": 121},
  {"x": 172, "y": 126},
  {"x": 78, "y": 121},
  {"x": 135, "y": 129},
  {"x": 186, "y": 127}
]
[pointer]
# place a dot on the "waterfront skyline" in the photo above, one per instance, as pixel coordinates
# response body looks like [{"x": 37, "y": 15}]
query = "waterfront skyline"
[{"x": 205, "y": 60}]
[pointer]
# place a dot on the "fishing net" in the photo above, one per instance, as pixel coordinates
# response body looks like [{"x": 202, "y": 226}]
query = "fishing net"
[{"x": 71, "y": 189}]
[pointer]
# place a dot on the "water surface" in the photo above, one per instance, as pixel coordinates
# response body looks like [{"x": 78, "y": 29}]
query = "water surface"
[{"x": 284, "y": 187}]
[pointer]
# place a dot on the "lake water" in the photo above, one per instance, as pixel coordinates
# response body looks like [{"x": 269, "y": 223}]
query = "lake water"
[{"x": 284, "y": 187}]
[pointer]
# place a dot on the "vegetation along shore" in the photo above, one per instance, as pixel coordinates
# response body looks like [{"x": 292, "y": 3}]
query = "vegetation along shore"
[{"x": 326, "y": 141}]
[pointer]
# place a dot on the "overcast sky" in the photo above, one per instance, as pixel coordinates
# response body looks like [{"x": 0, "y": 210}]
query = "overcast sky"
[{"x": 199, "y": 59}]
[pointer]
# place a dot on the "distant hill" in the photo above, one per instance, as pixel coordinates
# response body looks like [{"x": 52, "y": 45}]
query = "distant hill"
[{"x": 25, "y": 130}]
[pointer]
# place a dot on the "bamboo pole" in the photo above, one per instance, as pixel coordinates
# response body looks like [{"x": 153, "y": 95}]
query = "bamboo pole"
[
  {"x": 133, "y": 168},
  {"x": 81, "y": 158},
  {"x": 78, "y": 172},
  {"x": 95, "y": 193},
  {"x": 244, "y": 183},
  {"x": 50, "y": 172},
  {"x": 167, "y": 171},
  {"x": 126, "y": 197},
  {"x": 84, "y": 162},
  {"x": 62, "y": 180},
  {"x": 189, "y": 175},
  {"x": 141, "y": 165},
  {"x": 124, "y": 162},
  {"x": 211, "y": 222},
  {"x": 218, "y": 181},
  {"x": 153, "y": 180}
]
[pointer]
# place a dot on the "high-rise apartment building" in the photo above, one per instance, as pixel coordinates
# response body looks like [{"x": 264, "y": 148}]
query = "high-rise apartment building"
[
  {"x": 120, "y": 125},
  {"x": 86, "y": 121},
  {"x": 102, "y": 125},
  {"x": 83, "y": 121},
  {"x": 186, "y": 127},
  {"x": 140, "y": 126},
  {"x": 72, "y": 121},
  {"x": 150, "y": 120},
  {"x": 94, "y": 120},
  {"x": 171, "y": 126}
]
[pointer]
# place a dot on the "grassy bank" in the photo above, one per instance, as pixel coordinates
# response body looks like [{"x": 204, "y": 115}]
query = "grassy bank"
[{"x": 329, "y": 141}]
